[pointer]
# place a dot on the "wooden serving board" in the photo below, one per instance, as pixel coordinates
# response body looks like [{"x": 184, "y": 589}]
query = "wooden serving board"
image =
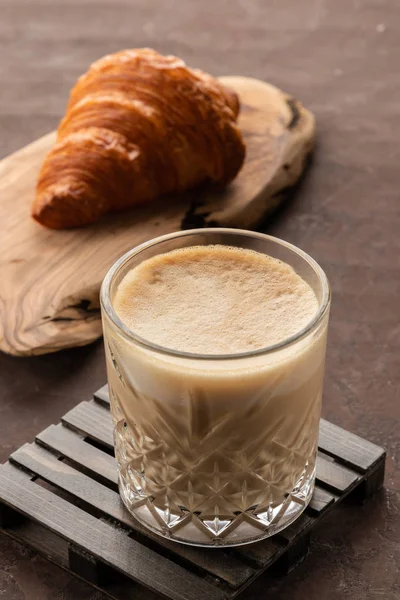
[
  {"x": 59, "y": 496},
  {"x": 50, "y": 280}
]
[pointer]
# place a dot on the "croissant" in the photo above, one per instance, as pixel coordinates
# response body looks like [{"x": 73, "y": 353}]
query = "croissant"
[{"x": 138, "y": 125}]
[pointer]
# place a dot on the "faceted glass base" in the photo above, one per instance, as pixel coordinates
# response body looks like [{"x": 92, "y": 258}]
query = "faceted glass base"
[{"x": 245, "y": 527}]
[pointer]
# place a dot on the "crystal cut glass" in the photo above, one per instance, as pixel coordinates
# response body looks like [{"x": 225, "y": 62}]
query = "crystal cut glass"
[{"x": 216, "y": 450}]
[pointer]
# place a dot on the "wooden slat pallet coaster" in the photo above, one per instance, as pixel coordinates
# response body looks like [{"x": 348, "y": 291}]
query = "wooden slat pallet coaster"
[{"x": 59, "y": 496}]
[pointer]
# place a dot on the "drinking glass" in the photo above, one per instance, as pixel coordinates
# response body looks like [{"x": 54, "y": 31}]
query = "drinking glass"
[{"x": 216, "y": 450}]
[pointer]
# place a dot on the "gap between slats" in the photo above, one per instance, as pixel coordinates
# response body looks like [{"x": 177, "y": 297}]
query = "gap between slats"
[
  {"x": 91, "y": 419},
  {"x": 348, "y": 447},
  {"x": 69, "y": 444},
  {"x": 334, "y": 476}
]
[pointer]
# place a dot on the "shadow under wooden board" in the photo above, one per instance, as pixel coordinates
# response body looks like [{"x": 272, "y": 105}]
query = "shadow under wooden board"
[
  {"x": 59, "y": 496},
  {"x": 49, "y": 296}
]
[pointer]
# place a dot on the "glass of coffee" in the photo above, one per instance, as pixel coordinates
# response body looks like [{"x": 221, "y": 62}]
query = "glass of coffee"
[{"x": 215, "y": 345}]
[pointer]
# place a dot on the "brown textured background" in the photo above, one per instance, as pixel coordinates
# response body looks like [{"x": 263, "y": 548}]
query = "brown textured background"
[{"x": 341, "y": 58}]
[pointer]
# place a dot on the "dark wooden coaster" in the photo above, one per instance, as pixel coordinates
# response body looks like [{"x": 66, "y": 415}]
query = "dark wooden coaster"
[{"x": 59, "y": 496}]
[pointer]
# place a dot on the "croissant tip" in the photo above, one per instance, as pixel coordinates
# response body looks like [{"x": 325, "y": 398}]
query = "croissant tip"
[
  {"x": 48, "y": 219},
  {"x": 59, "y": 213}
]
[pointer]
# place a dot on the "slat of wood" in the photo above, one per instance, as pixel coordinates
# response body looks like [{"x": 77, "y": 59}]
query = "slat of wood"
[
  {"x": 102, "y": 395},
  {"x": 320, "y": 501},
  {"x": 104, "y": 542},
  {"x": 294, "y": 555},
  {"x": 350, "y": 448},
  {"x": 43, "y": 463},
  {"x": 303, "y": 523},
  {"x": 372, "y": 483},
  {"x": 54, "y": 548},
  {"x": 294, "y": 542},
  {"x": 267, "y": 551},
  {"x": 70, "y": 445},
  {"x": 92, "y": 420},
  {"x": 335, "y": 476},
  {"x": 121, "y": 590},
  {"x": 261, "y": 553},
  {"x": 41, "y": 540}
]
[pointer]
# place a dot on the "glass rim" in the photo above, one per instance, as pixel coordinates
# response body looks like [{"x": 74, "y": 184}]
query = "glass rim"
[{"x": 106, "y": 304}]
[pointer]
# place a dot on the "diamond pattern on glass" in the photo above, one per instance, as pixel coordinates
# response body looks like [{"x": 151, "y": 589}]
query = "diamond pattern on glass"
[{"x": 216, "y": 488}]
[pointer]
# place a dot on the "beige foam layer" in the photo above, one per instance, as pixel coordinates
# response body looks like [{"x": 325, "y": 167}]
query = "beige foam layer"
[{"x": 214, "y": 299}]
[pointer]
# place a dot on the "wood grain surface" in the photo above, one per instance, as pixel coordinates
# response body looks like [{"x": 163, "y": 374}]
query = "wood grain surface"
[
  {"x": 50, "y": 296},
  {"x": 341, "y": 58}
]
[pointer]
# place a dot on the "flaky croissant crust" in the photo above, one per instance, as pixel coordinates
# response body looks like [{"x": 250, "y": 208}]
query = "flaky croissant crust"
[{"x": 138, "y": 125}]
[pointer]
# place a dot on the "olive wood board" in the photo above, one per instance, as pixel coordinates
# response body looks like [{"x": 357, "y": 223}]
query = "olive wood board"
[{"x": 50, "y": 280}]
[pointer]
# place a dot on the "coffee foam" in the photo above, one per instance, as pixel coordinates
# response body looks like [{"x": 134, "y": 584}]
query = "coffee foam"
[{"x": 214, "y": 300}]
